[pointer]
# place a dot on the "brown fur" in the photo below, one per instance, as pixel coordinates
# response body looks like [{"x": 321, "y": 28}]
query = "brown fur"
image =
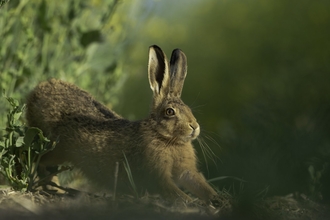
[{"x": 94, "y": 138}]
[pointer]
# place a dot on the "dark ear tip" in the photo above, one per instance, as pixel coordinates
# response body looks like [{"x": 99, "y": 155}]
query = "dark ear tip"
[
  {"x": 155, "y": 47},
  {"x": 176, "y": 53},
  {"x": 158, "y": 51},
  {"x": 176, "y": 49}
]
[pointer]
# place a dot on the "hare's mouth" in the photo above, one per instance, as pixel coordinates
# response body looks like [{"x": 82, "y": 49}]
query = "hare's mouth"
[{"x": 193, "y": 135}]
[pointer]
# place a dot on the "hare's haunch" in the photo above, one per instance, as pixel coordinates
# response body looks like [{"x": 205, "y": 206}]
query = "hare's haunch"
[{"x": 92, "y": 137}]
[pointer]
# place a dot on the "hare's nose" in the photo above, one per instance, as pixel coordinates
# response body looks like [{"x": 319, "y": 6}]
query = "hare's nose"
[{"x": 196, "y": 129}]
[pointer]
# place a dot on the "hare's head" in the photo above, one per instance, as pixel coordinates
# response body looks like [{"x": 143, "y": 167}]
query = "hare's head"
[{"x": 173, "y": 119}]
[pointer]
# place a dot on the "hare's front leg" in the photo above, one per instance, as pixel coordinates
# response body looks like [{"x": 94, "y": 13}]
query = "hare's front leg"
[
  {"x": 169, "y": 190},
  {"x": 195, "y": 182}
]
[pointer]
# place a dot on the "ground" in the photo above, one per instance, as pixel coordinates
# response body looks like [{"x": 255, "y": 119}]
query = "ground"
[{"x": 76, "y": 204}]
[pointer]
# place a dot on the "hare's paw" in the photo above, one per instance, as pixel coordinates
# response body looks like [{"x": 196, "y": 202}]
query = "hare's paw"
[{"x": 220, "y": 205}]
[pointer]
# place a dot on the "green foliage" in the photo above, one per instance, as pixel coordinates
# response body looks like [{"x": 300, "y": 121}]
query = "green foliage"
[
  {"x": 2, "y": 2},
  {"x": 21, "y": 149},
  {"x": 71, "y": 40}
]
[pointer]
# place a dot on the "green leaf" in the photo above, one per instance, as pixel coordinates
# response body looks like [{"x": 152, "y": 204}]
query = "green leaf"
[
  {"x": 3, "y": 153},
  {"x": 2, "y": 144},
  {"x": 98, "y": 56},
  {"x": 7, "y": 143},
  {"x": 17, "y": 115},
  {"x": 19, "y": 142},
  {"x": 12, "y": 102},
  {"x": 30, "y": 135}
]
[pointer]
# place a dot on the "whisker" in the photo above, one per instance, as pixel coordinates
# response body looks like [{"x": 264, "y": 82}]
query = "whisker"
[
  {"x": 196, "y": 107},
  {"x": 204, "y": 154},
  {"x": 208, "y": 137},
  {"x": 195, "y": 99},
  {"x": 208, "y": 153},
  {"x": 209, "y": 150}
]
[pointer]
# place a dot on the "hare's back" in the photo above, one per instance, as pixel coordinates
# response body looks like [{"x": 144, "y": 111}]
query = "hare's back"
[{"x": 54, "y": 99}]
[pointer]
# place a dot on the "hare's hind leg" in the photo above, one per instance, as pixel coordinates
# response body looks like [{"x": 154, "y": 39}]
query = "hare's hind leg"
[{"x": 47, "y": 178}]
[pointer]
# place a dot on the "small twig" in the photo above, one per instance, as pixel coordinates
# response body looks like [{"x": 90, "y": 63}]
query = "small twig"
[
  {"x": 116, "y": 180},
  {"x": 129, "y": 175}
]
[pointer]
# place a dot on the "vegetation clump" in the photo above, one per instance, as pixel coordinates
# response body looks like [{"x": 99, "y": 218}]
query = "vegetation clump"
[{"x": 21, "y": 149}]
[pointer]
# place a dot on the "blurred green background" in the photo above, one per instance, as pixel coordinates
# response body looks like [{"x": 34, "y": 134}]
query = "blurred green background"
[{"x": 258, "y": 75}]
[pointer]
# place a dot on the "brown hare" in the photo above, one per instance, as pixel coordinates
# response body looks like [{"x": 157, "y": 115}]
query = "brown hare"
[{"x": 93, "y": 138}]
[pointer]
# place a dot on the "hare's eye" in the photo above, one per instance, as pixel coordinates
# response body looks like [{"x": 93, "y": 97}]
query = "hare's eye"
[{"x": 169, "y": 112}]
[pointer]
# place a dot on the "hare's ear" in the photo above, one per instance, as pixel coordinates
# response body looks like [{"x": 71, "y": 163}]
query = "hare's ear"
[
  {"x": 158, "y": 71},
  {"x": 178, "y": 66}
]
